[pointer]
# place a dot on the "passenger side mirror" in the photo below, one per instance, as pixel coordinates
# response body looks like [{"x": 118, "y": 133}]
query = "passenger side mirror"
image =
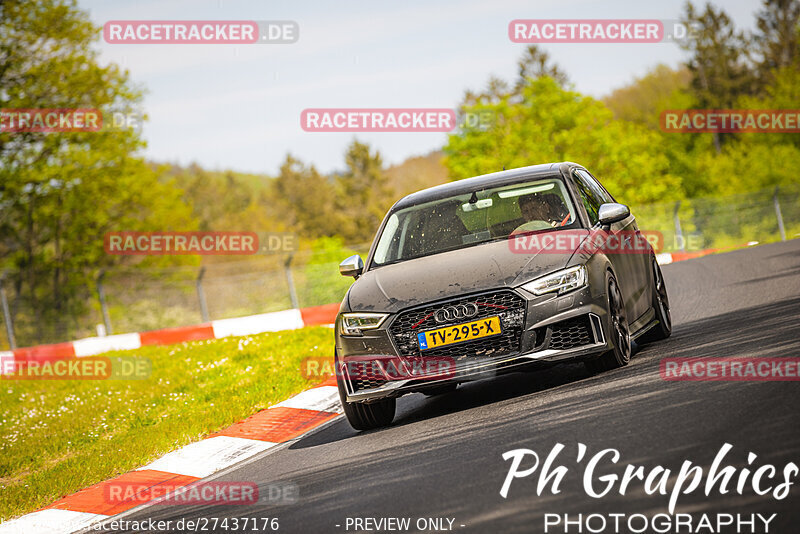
[
  {"x": 612, "y": 212},
  {"x": 352, "y": 266}
]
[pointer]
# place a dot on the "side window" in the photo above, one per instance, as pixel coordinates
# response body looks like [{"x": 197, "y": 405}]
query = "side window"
[
  {"x": 591, "y": 201},
  {"x": 595, "y": 186}
]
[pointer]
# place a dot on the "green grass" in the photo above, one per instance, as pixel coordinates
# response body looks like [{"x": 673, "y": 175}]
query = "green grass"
[{"x": 57, "y": 437}]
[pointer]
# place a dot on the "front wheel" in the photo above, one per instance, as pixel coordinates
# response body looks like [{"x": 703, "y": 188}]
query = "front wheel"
[
  {"x": 618, "y": 331},
  {"x": 363, "y": 416}
]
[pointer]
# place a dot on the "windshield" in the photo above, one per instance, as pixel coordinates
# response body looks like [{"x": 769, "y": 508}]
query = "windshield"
[{"x": 474, "y": 218}]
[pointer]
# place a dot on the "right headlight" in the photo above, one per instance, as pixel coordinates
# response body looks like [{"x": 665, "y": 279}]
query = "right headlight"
[
  {"x": 353, "y": 323},
  {"x": 560, "y": 281}
]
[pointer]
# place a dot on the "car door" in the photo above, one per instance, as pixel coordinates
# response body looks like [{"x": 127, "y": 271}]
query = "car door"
[
  {"x": 634, "y": 263},
  {"x": 593, "y": 197}
]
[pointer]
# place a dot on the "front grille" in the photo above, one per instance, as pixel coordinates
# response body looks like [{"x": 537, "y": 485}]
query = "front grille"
[
  {"x": 571, "y": 333},
  {"x": 507, "y": 305},
  {"x": 367, "y": 383}
]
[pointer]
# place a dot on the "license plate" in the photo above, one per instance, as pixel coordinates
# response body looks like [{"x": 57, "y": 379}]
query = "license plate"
[{"x": 459, "y": 333}]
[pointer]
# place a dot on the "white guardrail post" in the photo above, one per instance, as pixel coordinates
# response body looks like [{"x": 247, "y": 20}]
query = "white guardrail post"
[
  {"x": 678, "y": 232},
  {"x": 101, "y": 294},
  {"x": 12, "y": 343},
  {"x": 290, "y": 282},
  {"x": 777, "y": 205},
  {"x": 201, "y": 295}
]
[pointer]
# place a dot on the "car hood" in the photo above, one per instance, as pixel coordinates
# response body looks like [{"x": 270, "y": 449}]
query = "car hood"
[{"x": 449, "y": 274}]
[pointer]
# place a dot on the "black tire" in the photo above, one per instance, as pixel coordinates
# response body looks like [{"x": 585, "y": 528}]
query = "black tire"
[
  {"x": 362, "y": 416},
  {"x": 661, "y": 306},
  {"x": 440, "y": 390},
  {"x": 618, "y": 333}
]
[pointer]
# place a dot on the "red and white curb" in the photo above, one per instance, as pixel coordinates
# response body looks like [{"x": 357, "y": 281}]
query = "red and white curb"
[
  {"x": 671, "y": 257},
  {"x": 268, "y": 428},
  {"x": 238, "y": 326}
]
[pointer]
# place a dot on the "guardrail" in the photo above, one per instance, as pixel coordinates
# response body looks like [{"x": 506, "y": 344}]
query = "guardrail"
[{"x": 152, "y": 299}]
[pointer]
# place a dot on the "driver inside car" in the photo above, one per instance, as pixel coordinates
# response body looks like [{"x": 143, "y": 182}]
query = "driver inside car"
[{"x": 542, "y": 212}]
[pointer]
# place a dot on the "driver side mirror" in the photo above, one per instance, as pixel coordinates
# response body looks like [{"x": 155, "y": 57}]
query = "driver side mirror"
[
  {"x": 612, "y": 212},
  {"x": 352, "y": 266}
]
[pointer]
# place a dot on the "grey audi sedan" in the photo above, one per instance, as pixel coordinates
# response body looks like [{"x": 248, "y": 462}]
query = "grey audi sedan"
[{"x": 509, "y": 271}]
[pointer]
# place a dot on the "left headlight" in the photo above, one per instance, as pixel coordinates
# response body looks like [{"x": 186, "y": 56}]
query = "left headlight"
[
  {"x": 560, "y": 281},
  {"x": 353, "y": 323}
]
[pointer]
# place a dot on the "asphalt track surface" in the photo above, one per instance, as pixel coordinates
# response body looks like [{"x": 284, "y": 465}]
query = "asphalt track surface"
[{"x": 442, "y": 457}]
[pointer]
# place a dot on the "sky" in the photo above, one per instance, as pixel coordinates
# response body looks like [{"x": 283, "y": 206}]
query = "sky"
[{"x": 238, "y": 107}]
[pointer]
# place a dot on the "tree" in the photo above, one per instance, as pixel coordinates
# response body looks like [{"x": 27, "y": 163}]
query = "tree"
[
  {"x": 554, "y": 124},
  {"x": 304, "y": 199},
  {"x": 643, "y": 100},
  {"x": 777, "y": 37},
  {"x": 719, "y": 62},
  {"x": 218, "y": 198},
  {"x": 364, "y": 193},
  {"x": 417, "y": 172},
  {"x": 535, "y": 63},
  {"x": 61, "y": 192}
]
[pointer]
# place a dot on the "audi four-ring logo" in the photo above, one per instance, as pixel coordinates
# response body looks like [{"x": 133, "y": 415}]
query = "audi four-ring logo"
[{"x": 459, "y": 311}]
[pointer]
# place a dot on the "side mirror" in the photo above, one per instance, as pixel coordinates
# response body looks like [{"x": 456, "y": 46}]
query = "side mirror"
[
  {"x": 612, "y": 212},
  {"x": 352, "y": 266}
]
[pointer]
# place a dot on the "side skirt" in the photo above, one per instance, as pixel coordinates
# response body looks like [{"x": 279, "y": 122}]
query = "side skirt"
[{"x": 643, "y": 324}]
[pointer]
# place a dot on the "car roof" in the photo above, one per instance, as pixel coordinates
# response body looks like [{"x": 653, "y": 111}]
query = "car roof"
[{"x": 477, "y": 183}]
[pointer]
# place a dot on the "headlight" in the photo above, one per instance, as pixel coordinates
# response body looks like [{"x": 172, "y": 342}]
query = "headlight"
[
  {"x": 353, "y": 323},
  {"x": 561, "y": 281}
]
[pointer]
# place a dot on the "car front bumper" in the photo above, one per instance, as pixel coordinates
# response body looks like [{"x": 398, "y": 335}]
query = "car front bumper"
[{"x": 546, "y": 318}]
